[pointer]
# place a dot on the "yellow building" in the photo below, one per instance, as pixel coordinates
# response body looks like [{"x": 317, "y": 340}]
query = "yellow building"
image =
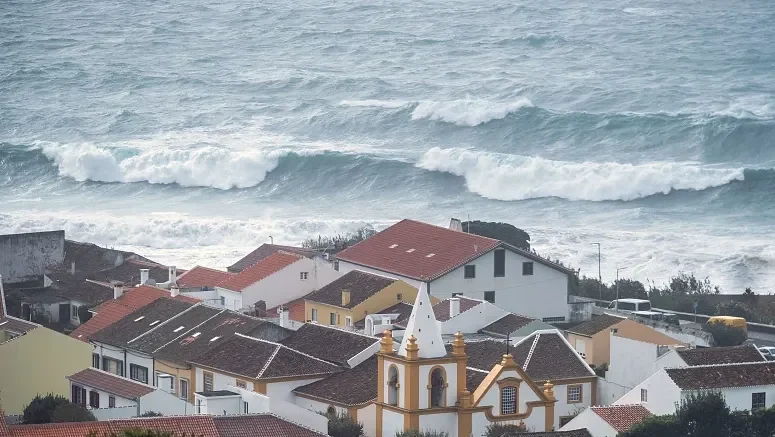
[
  {"x": 36, "y": 360},
  {"x": 355, "y": 295},
  {"x": 592, "y": 339}
]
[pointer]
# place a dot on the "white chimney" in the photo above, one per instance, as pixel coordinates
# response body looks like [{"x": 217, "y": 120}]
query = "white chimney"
[
  {"x": 144, "y": 275},
  {"x": 454, "y": 306},
  {"x": 173, "y": 275},
  {"x": 174, "y": 291},
  {"x": 455, "y": 225},
  {"x": 118, "y": 289},
  {"x": 284, "y": 318}
]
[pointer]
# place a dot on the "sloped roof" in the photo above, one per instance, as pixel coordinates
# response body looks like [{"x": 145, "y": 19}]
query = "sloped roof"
[
  {"x": 355, "y": 386},
  {"x": 507, "y": 324},
  {"x": 264, "y": 251},
  {"x": 140, "y": 321},
  {"x": 161, "y": 332},
  {"x": 595, "y": 325},
  {"x": 721, "y": 355},
  {"x": 261, "y": 359},
  {"x": 328, "y": 343},
  {"x": 129, "y": 272},
  {"x": 16, "y": 326},
  {"x": 110, "y": 383},
  {"x": 423, "y": 327},
  {"x": 264, "y": 268},
  {"x": 362, "y": 285},
  {"x": 264, "y": 425},
  {"x": 109, "y": 313},
  {"x": 622, "y": 417},
  {"x": 202, "y": 277},
  {"x": 723, "y": 375},
  {"x": 403, "y": 309},
  {"x": 441, "y": 309},
  {"x": 417, "y": 250}
]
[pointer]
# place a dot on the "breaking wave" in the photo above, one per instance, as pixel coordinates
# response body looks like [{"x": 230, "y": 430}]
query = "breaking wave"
[
  {"x": 468, "y": 112},
  {"x": 503, "y": 177}
]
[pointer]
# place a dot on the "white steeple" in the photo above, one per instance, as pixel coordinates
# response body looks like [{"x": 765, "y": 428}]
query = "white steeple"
[{"x": 423, "y": 326}]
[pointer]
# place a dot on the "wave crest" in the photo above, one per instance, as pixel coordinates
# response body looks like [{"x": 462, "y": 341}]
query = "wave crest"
[
  {"x": 468, "y": 112},
  {"x": 518, "y": 178}
]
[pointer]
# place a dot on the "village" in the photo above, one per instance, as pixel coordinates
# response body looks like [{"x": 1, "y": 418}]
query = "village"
[{"x": 417, "y": 330}]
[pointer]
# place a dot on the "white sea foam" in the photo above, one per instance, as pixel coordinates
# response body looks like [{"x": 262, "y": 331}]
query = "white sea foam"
[
  {"x": 468, "y": 112},
  {"x": 753, "y": 108},
  {"x": 508, "y": 177},
  {"x": 387, "y": 104}
]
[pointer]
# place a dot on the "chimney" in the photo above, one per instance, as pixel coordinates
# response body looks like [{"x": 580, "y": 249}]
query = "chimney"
[
  {"x": 72, "y": 268},
  {"x": 144, "y": 275},
  {"x": 260, "y": 307},
  {"x": 173, "y": 275},
  {"x": 455, "y": 224},
  {"x": 118, "y": 289},
  {"x": 454, "y": 306},
  {"x": 174, "y": 291},
  {"x": 345, "y": 298},
  {"x": 284, "y": 318}
]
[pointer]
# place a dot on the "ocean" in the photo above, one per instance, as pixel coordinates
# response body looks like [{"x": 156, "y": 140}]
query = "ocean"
[{"x": 193, "y": 131}]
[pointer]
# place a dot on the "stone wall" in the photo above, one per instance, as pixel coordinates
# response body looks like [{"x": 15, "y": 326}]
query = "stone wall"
[{"x": 24, "y": 257}]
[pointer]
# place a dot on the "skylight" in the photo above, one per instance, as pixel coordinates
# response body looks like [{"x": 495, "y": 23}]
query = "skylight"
[
  {"x": 410, "y": 250},
  {"x": 153, "y": 323},
  {"x": 393, "y": 246},
  {"x": 197, "y": 334},
  {"x": 430, "y": 255},
  {"x": 139, "y": 318},
  {"x": 215, "y": 338},
  {"x": 178, "y": 328}
]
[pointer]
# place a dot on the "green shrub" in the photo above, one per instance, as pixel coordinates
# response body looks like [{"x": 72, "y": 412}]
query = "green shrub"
[
  {"x": 342, "y": 425},
  {"x": 71, "y": 412},
  {"x": 41, "y": 409}
]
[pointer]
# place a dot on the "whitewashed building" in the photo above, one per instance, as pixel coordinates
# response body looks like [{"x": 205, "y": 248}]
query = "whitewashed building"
[
  {"x": 608, "y": 421},
  {"x": 451, "y": 263}
]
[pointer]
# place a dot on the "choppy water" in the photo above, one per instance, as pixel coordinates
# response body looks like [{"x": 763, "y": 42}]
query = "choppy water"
[{"x": 191, "y": 131}]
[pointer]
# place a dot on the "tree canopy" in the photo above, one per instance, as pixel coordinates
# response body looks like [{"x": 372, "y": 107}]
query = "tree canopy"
[
  {"x": 500, "y": 231},
  {"x": 41, "y": 409}
]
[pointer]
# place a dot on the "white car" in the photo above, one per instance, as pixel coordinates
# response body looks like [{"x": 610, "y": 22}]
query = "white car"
[{"x": 768, "y": 352}]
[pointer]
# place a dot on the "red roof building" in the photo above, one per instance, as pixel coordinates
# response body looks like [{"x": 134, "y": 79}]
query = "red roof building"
[
  {"x": 261, "y": 270},
  {"x": 199, "y": 277}
]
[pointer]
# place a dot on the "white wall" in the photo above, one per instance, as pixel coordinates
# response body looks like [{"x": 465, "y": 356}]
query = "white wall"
[
  {"x": 392, "y": 422},
  {"x": 220, "y": 381},
  {"x": 158, "y": 401},
  {"x": 140, "y": 360},
  {"x": 596, "y": 426},
  {"x": 258, "y": 403},
  {"x": 286, "y": 285},
  {"x": 669, "y": 360},
  {"x": 451, "y": 380},
  {"x": 345, "y": 267},
  {"x": 368, "y": 417},
  {"x": 165, "y": 403},
  {"x": 319, "y": 406},
  {"x": 364, "y": 355},
  {"x": 662, "y": 394},
  {"x": 473, "y": 320},
  {"x": 739, "y": 398},
  {"x": 608, "y": 392},
  {"x": 283, "y": 391},
  {"x": 220, "y": 405},
  {"x": 120, "y": 402},
  {"x": 113, "y": 352},
  {"x": 632, "y": 361},
  {"x": 446, "y": 422},
  {"x": 563, "y": 408},
  {"x": 492, "y": 397}
]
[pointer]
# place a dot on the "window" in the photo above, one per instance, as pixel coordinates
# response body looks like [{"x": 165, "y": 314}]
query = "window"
[
  {"x": 183, "y": 388},
  {"x": 78, "y": 395},
  {"x": 74, "y": 311},
  {"x": 509, "y": 400},
  {"x": 348, "y": 321},
  {"x": 94, "y": 399},
  {"x": 314, "y": 315},
  {"x": 399, "y": 297},
  {"x": 332, "y": 319},
  {"x": 242, "y": 384},
  {"x": 500, "y": 263},
  {"x": 303, "y": 275},
  {"x": 393, "y": 386},
  {"x": 245, "y": 408},
  {"x": 644, "y": 395},
  {"x": 565, "y": 419},
  {"x": 469, "y": 272},
  {"x": 627, "y": 306},
  {"x": 138, "y": 373},
  {"x": 115, "y": 367},
  {"x": 489, "y": 296},
  {"x": 223, "y": 301},
  {"x": 437, "y": 387},
  {"x": 574, "y": 394},
  {"x": 758, "y": 401},
  {"x": 208, "y": 381},
  {"x": 111, "y": 402},
  {"x": 95, "y": 361},
  {"x": 527, "y": 268}
]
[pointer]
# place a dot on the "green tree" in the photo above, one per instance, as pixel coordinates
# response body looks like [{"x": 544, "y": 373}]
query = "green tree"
[
  {"x": 498, "y": 429},
  {"x": 151, "y": 414},
  {"x": 724, "y": 335},
  {"x": 71, "y": 412},
  {"x": 630, "y": 289},
  {"x": 500, "y": 231},
  {"x": 41, "y": 409},
  {"x": 736, "y": 309},
  {"x": 704, "y": 414},
  {"x": 342, "y": 425},
  {"x": 654, "y": 426}
]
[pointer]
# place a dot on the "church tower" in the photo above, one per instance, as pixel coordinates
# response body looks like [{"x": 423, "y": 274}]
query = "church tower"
[{"x": 421, "y": 385}]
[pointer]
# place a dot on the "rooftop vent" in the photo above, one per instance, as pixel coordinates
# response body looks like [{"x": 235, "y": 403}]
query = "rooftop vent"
[
  {"x": 215, "y": 338},
  {"x": 410, "y": 250},
  {"x": 178, "y": 328},
  {"x": 393, "y": 246},
  {"x": 197, "y": 334},
  {"x": 430, "y": 255},
  {"x": 154, "y": 322},
  {"x": 139, "y": 318}
]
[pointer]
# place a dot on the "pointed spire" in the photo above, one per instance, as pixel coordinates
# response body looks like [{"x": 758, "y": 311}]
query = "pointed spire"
[{"x": 422, "y": 325}]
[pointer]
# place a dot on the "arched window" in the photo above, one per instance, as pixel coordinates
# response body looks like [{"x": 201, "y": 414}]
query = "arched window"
[
  {"x": 437, "y": 387},
  {"x": 509, "y": 400},
  {"x": 393, "y": 386}
]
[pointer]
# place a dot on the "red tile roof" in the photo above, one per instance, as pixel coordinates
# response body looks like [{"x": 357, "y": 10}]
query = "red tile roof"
[
  {"x": 264, "y": 268},
  {"x": 622, "y": 417},
  {"x": 75, "y": 429},
  {"x": 177, "y": 425},
  {"x": 110, "y": 383},
  {"x": 202, "y": 277},
  {"x": 264, "y": 251},
  {"x": 418, "y": 250},
  {"x": 441, "y": 309}
]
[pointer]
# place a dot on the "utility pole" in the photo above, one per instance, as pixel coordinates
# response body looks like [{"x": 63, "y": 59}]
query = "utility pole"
[
  {"x": 617, "y": 286},
  {"x": 599, "y": 274}
]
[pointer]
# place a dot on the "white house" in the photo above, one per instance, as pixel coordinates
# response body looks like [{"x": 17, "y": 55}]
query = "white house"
[
  {"x": 109, "y": 396},
  {"x": 277, "y": 279},
  {"x": 450, "y": 263},
  {"x": 608, "y": 421},
  {"x": 746, "y": 386}
]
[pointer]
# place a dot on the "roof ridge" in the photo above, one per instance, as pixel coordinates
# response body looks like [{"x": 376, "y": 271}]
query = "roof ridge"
[
  {"x": 532, "y": 349},
  {"x": 702, "y": 366},
  {"x": 192, "y": 328},
  {"x": 282, "y": 346},
  {"x": 164, "y": 322},
  {"x": 123, "y": 378},
  {"x": 336, "y": 328}
]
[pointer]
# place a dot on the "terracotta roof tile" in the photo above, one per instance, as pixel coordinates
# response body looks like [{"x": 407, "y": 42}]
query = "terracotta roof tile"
[
  {"x": 269, "y": 265},
  {"x": 723, "y": 376},
  {"x": 328, "y": 343},
  {"x": 721, "y": 355},
  {"x": 441, "y": 309},
  {"x": 417, "y": 250},
  {"x": 361, "y": 285},
  {"x": 595, "y": 325},
  {"x": 202, "y": 277},
  {"x": 572, "y": 433},
  {"x": 110, "y": 383},
  {"x": 263, "y": 425},
  {"x": 200, "y": 426},
  {"x": 160, "y": 333},
  {"x": 76, "y": 429},
  {"x": 354, "y": 386},
  {"x": 140, "y": 321},
  {"x": 16, "y": 326},
  {"x": 264, "y": 251},
  {"x": 622, "y": 417},
  {"x": 474, "y": 379},
  {"x": 507, "y": 324},
  {"x": 129, "y": 272},
  {"x": 109, "y": 313}
]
